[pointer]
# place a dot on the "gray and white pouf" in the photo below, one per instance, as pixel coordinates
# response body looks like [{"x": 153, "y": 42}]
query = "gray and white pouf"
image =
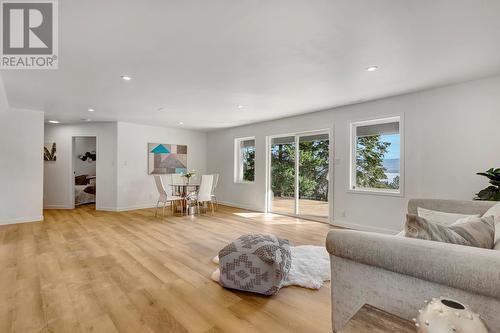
[{"x": 256, "y": 263}]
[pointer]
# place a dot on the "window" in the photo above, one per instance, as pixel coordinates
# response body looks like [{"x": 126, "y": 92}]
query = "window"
[
  {"x": 245, "y": 160},
  {"x": 376, "y": 151}
]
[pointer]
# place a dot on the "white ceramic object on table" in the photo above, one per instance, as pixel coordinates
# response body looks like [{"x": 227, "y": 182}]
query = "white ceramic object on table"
[{"x": 442, "y": 315}]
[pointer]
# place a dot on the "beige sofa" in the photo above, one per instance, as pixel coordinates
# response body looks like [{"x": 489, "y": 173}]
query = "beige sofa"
[{"x": 397, "y": 274}]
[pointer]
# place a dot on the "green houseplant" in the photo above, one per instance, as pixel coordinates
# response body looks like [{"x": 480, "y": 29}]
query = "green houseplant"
[{"x": 492, "y": 192}]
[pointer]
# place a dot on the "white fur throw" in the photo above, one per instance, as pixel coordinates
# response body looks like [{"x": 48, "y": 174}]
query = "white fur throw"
[{"x": 310, "y": 267}]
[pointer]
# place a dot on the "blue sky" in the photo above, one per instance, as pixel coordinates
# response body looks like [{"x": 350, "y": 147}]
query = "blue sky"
[{"x": 394, "y": 147}]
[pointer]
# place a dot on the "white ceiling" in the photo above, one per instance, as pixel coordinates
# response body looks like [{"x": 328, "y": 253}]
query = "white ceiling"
[{"x": 199, "y": 59}]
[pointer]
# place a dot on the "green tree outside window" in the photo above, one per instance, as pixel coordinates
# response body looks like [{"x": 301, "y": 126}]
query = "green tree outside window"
[
  {"x": 248, "y": 157},
  {"x": 370, "y": 170}
]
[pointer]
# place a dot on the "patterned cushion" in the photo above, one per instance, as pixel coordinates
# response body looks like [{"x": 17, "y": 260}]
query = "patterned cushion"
[
  {"x": 475, "y": 231},
  {"x": 256, "y": 263},
  {"x": 442, "y": 218}
]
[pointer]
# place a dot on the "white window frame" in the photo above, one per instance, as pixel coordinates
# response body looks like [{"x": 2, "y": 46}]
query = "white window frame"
[
  {"x": 352, "y": 161},
  {"x": 238, "y": 162}
]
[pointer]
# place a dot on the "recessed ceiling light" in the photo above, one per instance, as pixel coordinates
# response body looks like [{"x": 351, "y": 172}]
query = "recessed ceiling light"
[
  {"x": 181, "y": 123},
  {"x": 372, "y": 68},
  {"x": 239, "y": 106},
  {"x": 54, "y": 121},
  {"x": 126, "y": 77},
  {"x": 91, "y": 110}
]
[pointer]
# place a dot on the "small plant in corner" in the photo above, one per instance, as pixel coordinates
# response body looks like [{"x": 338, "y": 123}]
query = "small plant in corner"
[{"x": 492, "y": 192}]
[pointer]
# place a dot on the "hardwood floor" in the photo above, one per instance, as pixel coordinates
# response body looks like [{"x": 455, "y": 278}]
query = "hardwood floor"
[{"x": 87, "y": 271}]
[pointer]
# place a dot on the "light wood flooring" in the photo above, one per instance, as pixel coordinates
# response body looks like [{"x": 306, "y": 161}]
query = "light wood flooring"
[{"x": 87, "y": 271}]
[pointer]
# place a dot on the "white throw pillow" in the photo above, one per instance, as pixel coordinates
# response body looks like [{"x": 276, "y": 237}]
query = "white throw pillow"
[
  {"x": 443, "y": 218},
  {"x": 495, "y": 212}
]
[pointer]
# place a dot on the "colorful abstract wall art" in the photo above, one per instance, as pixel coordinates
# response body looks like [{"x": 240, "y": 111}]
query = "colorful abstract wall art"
[{"x": 166, "y": 158}]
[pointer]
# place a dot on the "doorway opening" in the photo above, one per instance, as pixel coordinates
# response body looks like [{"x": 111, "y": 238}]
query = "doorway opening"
[
  {"x": 84, "y": 157},
  {"x": 299, "y": 166}
]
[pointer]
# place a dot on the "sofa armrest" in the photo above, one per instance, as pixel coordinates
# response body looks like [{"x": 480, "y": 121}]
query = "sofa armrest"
[{"x": 463, "y": 267}]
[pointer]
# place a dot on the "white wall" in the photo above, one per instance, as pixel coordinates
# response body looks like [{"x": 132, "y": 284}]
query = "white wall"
[
  {"x": 83, "y": 145},
  {"x": 451, "y": 133},
  {"x": 136, "y": 188},
  {"x": 59, "y": 181},
  {"x": 4, "y": 105},
  {"x": 122, "y": 179},
  {"x": 21, "y": 166}
]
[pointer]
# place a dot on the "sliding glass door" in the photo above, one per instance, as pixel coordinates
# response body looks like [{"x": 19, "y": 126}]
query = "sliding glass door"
[
  {"x": 299, "y": 175},
  {"x": 313, "y": 176},
  {"x": 283, "y": 175}
]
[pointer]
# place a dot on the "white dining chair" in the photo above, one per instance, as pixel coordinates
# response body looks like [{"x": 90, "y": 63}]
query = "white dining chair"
[
  {"x": 214, "y": 187},
  {"x": 204, "y": 194},
  {"x": 176, "y": 178},
  {"x": 164, "y": 198}
]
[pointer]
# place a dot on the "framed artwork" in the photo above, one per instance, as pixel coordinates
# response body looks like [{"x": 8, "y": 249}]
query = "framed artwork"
[
  {"x": 49, "y": 151},
  {"x": 166, "y": 158}
]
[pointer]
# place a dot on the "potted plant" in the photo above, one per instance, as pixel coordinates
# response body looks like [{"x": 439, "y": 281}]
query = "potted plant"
[{"x": 492, "y": 192}]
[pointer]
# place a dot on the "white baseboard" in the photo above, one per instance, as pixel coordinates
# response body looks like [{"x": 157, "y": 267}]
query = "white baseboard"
[
  {"x": 124, "y": 209},
  {"x": 107, "y": 209},
  {"x": 22, "y": 220},
  {"x": 363, "y": 227},
  {"x": 57, "y": 207},
  {"x": 247, "y": 207}
]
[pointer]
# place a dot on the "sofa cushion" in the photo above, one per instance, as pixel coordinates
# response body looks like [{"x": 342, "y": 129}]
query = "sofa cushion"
[
  {"x": 439, "y": 217},
  {"x": 450, "y": 206},
  {"x": 476, "y": 231},
  {"x": 442, "y": 218}
]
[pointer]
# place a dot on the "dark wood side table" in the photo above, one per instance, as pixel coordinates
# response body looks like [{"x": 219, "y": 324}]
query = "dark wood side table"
[{"x": 369, "y": 319}]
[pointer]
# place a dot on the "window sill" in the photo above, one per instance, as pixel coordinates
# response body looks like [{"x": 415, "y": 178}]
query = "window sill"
[
  {"x": 243, "y": 182},
  {"x": 377, "y": 192}
]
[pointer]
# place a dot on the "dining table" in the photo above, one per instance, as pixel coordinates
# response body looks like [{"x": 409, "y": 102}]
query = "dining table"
[{"x": 182, "y": 189}]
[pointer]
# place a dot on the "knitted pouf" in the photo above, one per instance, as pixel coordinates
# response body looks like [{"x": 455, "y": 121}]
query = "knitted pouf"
[{"x": 256, "y": 263}]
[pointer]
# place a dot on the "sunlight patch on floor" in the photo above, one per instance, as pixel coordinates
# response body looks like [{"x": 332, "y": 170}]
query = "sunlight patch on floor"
[
  {"x": 254, "y": 214},
  {"x": 273, "y": 219}
]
